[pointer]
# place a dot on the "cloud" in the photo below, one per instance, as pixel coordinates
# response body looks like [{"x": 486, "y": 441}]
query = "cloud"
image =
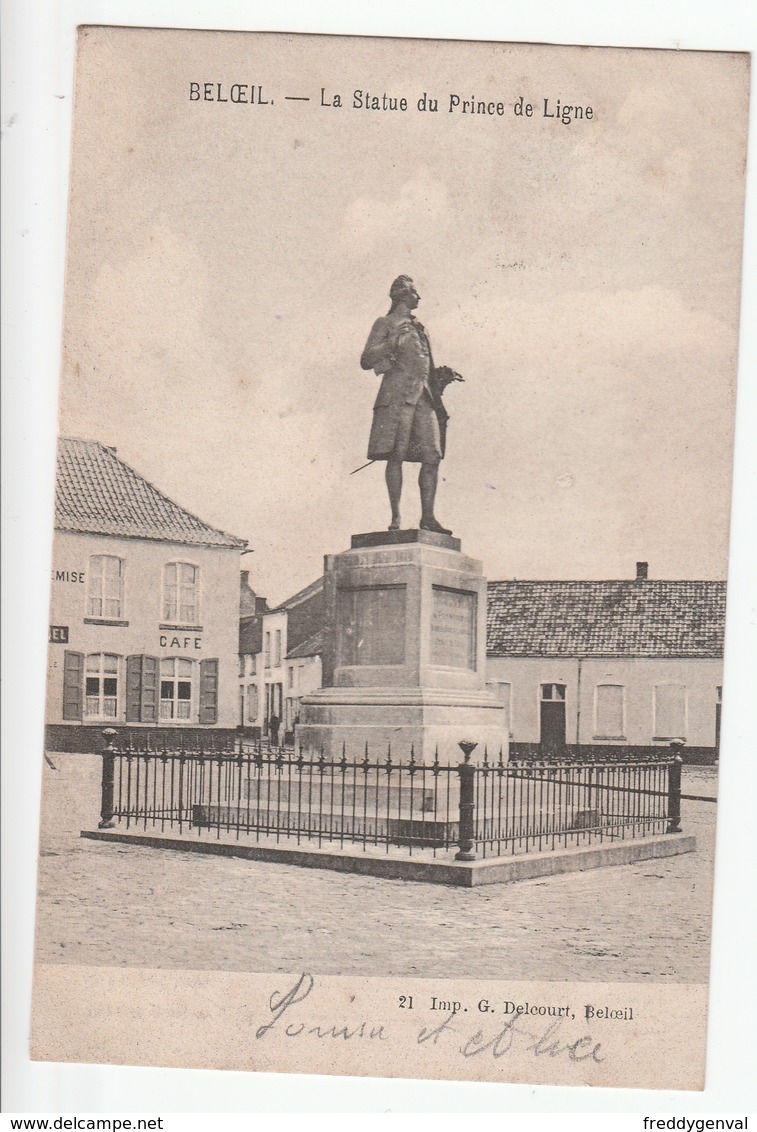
[
  {"x": 587, "y": 327},
  {"x": 420, "y": 205}
]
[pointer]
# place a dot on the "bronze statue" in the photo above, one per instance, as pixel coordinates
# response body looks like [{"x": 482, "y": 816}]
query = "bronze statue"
[{"x": 409, "y": 418}]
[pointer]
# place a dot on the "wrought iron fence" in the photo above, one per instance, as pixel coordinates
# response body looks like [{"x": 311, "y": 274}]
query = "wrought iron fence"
[{"x": 481, "y": 808}]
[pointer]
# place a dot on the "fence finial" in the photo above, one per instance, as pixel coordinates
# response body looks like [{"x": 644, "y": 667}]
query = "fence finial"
[{"x": 467, "y": 747}]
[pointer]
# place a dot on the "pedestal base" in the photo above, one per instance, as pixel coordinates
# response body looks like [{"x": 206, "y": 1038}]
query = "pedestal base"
[
  {"x": 404, "y": 662},
  {"x": 425, "y": 721}
]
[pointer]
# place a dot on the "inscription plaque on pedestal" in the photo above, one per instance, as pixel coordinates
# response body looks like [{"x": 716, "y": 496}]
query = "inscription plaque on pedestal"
[
  {"x": 453, "y": 628},
  {"x": 371, "y": 625}
]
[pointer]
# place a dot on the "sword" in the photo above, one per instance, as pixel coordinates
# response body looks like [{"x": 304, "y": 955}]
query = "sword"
[{"x": 362, "y": 466}]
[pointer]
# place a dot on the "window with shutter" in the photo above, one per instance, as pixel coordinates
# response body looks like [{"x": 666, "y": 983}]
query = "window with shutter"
[
  {"x": 253, "y": 705},
  {"x": 208, "y": 691},
  {"x": 670, "y": 711},
  {"x": 608, "y": 707},
  {"x": 176, "y": 688},
  {"x": 101, "y": 689},
  {"x": 73, "y": 685}
]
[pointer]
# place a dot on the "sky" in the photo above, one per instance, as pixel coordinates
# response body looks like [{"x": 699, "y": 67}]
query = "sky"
[{"x": 226, "y": 262}]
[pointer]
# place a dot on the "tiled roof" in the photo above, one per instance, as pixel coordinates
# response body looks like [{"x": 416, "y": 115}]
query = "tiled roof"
[
  {"x": 313, "y": 646},
  {"x": 625, "y": 618},
  {"x": 301, "y": 595},
  {"x": 96, "y": 493}
]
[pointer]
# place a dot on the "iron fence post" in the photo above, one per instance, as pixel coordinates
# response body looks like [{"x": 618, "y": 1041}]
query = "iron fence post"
[
  {"x": 108, "y": 776},
  {"x": 467, "y": 832},
  {"x": 674, "y": 788}
]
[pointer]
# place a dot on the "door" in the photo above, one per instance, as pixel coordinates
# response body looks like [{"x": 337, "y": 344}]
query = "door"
[
  {"x": 268, "y": 707},
  {"x": 552, "y": 718}
]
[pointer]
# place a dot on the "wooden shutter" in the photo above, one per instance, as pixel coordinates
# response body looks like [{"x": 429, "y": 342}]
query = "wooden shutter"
[
  {"x": 73, "y": 685},
  {"x": 150, "y": 682},
  {"x": 670, "y": 711},
  {"x": 134, "y": 689},
  {"x": 208, "y": 691},
  {"x": 609, "y": 711}
]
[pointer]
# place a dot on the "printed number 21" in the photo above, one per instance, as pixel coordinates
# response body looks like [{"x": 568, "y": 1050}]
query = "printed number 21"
[{"x": 406, "y": 1002}]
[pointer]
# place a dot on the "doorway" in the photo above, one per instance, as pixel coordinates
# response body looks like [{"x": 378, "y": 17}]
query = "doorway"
[{"x": 552, "y": 718}]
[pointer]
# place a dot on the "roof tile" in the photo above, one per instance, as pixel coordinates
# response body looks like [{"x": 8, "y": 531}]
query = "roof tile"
[
  {"x": 639, "y": 618},
  {"x": 96, "y": 493}
]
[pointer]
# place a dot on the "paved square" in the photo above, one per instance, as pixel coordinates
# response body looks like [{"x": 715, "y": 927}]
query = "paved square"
[{"x": 111, "y": 905}]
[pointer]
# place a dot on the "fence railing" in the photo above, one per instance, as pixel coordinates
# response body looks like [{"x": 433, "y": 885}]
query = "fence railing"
[{"x": 478, "y": 808}]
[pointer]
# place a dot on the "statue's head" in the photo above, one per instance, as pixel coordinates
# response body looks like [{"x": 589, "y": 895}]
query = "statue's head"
[{"x": 403, "y": 290}]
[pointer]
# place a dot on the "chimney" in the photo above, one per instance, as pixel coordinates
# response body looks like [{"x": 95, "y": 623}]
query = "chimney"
[
  {"x": 642, "y": 571},
  {"x": 247, "y": 597}
]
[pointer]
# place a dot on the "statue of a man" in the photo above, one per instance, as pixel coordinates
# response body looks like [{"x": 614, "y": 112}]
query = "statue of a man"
[{"x": 409, "y": 418}]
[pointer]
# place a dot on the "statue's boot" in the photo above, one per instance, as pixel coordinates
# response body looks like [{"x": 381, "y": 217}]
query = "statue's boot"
[
  {"x": 395, "y": 523},
  {"x": 431, "y": 524}
]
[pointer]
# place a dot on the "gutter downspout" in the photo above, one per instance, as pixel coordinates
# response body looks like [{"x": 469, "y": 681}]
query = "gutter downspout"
[{"x": 578, "y": 703}]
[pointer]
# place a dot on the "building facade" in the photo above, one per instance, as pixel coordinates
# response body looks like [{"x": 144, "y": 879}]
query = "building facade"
[
  {"x": 280, "y": 662},
  {"x": 608, "y": 669},
  {"x": 144, "y": 613},
  {"x": 611, "y": 670}
]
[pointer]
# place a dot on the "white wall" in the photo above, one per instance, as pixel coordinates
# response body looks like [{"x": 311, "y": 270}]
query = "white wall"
[
  {"x": 638, "y": 676},
  {"x": 215, "y": 636}
]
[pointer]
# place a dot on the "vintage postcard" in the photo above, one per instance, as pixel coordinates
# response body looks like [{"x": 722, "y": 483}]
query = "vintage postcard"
[{"x": 389, "y": 573}]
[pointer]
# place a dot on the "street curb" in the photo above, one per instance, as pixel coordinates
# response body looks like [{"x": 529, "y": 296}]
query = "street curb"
[{"x": 467, "y": 874}]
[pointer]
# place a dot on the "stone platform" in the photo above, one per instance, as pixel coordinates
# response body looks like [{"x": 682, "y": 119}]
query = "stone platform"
[
  {"x": 404, "y": 663},
  {"x": 424, "y": 866}
]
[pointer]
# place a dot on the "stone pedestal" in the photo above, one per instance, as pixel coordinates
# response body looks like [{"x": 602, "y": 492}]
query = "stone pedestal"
[{"x": 404, "y": 660}]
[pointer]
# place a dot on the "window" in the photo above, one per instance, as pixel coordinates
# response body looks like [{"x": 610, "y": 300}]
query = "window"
[
  {"x": 553, "y": 691},
  {"x": 291, "y": 712},
  {"x": 101, "y": 686},
  {"x": 105, "y": 586},
  {"x": 268, "y": 650},
  {"x": 291, "y": 676},
  {"x": 608, "y": 711},
  {"x": 277, "y": 660},
  {"x": 252, "y": 703},
  {"x": 176, "y": 688},
  {"x": 670, "y": 711},
  {"x": 181, "y": 593}
]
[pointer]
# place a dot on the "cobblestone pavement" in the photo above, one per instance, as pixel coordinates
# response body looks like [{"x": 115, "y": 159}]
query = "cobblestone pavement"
[{"x": 105, "y": 904}]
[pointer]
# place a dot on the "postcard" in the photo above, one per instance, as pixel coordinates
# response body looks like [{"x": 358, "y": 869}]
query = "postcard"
[{"x": 389, "y": 567}]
